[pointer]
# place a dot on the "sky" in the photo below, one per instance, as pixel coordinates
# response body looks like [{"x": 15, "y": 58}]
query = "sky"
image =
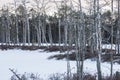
[
  {"x": 2, "y": 2},
  {"x": 53, "y": 8}
]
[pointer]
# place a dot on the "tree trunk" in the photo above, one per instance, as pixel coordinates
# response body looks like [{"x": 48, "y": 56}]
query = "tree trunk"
[{"x": 99, "y": 40}]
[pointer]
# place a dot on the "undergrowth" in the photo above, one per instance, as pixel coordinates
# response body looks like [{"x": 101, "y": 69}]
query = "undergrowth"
[{"x": 58, "y": 76}]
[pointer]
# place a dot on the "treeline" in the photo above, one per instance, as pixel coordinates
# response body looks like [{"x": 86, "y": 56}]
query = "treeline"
[{"x": 35, "y": 26}]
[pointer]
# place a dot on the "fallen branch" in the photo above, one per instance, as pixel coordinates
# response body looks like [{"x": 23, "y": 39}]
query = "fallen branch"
[{"x": 15, "y": 74}]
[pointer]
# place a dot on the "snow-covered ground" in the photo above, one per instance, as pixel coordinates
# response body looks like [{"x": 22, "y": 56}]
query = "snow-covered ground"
[{"x": 36, "y": 62}]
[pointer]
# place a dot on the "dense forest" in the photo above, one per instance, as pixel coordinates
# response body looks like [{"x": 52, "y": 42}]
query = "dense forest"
[{"x": 35, "y": 26}]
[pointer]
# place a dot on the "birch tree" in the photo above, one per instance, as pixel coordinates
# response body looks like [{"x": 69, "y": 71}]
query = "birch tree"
[
  {"x": 2, "y": 27},
  {"x": 59, "y": 22},
  {"x": 16, "y": 22},
  {"x": 51, "y": 21},
  {"x": 41, "y": 7},
  {"x": 38, "y": 27},
  {"x": 98, "y": 40},
  {"x": 65, "y": 16},
  {"x": 6, "y": 25},
  {"x": 33, "y": 24},
  {"x": 111, "y": 72},
  {"x": 26, "y": 23},
  {"x": 80, "y": 42},
  {"x": 118, "y": 29}
]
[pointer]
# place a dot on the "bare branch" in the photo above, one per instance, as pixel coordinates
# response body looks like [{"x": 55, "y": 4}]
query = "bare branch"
[{"x": 15, "y": 74}]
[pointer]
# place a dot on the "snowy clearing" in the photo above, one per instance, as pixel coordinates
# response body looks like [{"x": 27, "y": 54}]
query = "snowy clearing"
[{"x": 36, "y": 62}]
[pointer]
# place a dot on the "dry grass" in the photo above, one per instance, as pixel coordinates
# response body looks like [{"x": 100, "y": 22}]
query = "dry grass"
[{"x": 59, "y": 76}]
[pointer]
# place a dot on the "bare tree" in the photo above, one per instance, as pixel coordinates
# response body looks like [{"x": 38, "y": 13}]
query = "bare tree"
[
  {"x": 38, "y": 28},
  {"x": 6, "y": 24},
  {"x": 50, "y": 32},
  {"x": 80, "y": 41},
  {"x": 16, "y": 22},
  {"x": 98, "y": 40},
  {"x": 41, "y": 6},
  {"x": 59, "y": 19},
  {"x": 21, "y": 13},
  {"x": 26, "y": 23},
  {"x": 111, "y": 72},
  {"x": 118, "y": 29}
]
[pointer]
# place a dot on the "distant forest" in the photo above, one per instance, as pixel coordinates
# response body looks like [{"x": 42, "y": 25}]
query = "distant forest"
[{"x": 35, "y": 26}]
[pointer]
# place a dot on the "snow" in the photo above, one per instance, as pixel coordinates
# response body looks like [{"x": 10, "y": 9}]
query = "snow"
[
  {"x": 90, "y": 67},
  {"x": 30, "y": 62},
  {"x": 108, "y": 46},
  {"x": 37, "y": 62}
]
